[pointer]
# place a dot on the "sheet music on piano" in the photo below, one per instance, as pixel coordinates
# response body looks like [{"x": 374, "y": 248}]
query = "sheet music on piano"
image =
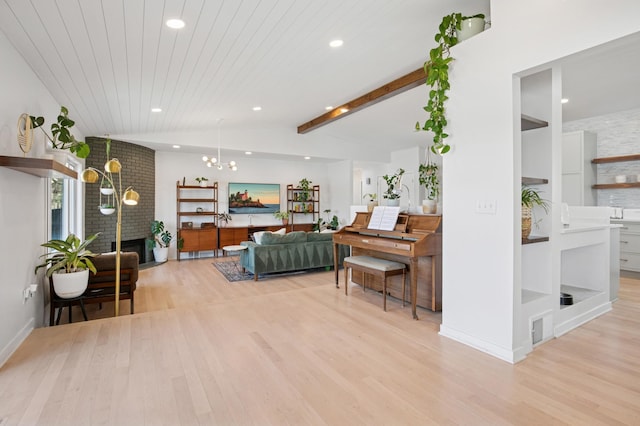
[{"x": 384, "y": 218}]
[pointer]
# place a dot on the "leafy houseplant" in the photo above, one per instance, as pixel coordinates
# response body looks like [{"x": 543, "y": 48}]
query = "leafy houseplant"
[
  {"x": 394, "y": 183},
  {"x": 160, "y": 242},
  {"x": 61, "y": 137},
  {"x": 437, "y": 70},
  {"x": 428, "y": 177},
  {"x": 69, "y": 265},
  {"x": 529, "y": 199},
  {"x": 224, "y": 217},
  {"x": 305, "y": 186},
  {"x": 372, "y": 201},
  {"x": 283, "y": 216}
]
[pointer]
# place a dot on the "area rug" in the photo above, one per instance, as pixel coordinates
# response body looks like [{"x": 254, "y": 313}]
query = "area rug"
[{"x": 232, "y": 271}]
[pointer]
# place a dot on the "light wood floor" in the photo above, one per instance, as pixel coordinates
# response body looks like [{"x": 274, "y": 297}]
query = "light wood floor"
[{"x": 295, "y": 350}]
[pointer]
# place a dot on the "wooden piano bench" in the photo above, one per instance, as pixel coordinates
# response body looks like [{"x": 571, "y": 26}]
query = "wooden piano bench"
[{"x": 378, "y": 267}]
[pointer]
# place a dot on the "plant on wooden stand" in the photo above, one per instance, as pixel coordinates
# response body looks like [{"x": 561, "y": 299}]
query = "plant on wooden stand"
[
  {"x": 283, "y": 216},
  {"x": 69, "y": 265}
]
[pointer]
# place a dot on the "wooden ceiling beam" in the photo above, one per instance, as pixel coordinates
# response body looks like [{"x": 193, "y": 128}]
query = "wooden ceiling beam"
[{"x": 402, "y": 84}]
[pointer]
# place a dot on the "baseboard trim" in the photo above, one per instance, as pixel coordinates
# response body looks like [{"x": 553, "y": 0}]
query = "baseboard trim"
[
  {"x": 577, "y": 321},
  {"x": 17, "y": 340},
  {"x": 509, "y": 356}
]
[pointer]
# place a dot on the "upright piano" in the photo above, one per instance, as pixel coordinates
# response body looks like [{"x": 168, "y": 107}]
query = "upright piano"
[{"x": 416, "y": 241}]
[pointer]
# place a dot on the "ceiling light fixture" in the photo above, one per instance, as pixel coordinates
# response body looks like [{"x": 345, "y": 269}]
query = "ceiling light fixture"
[
  {"x": 248, "y": 152},
  {"x": 307, "y": 158},
  {"x": 343, "y": 110},
  {"x": 564, "y": 100},
  {"x": 257, "y": 108},
  {"x": 328, "y": 108},
  {"x": 176, "y": 24},
  {"x": 156, "y": 109},
  {"x": 176, "y": 146},
  {"x": 217, "y": 161},
  {"x": 336, "y": 43}
]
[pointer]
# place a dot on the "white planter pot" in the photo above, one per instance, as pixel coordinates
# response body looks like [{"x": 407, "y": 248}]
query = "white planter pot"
[
  {"x": 469, "y": 28},
  {"x": 203, "y": 184},
  {"x": 106, "y": 191},
  {"x": 70, "y": 285},
  {"x": 429, "y": 206},
  {"x": 106, "y": 211},
  {"x": 393, "y": 202},
  {"x": 160, "y": 254}
]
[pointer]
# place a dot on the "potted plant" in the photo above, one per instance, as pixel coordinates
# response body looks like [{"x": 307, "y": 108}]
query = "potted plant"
[
  {"x": 61, "y": 137},
  {"x": 202, "y": 181},
  {"x": 372, "y": 201},
  {"x": 107, "y": 209},
  {"x": 529, "y": 199},
  {"x": 428, "y": 177},
  {"x": 394, "y": 182},
  {"x": 334, "y": 224},
  {"x": 224, "y": 218},
  {"x": 69, "y": 265},
  {"x": 161, "y": 240},
  {"x": 105, "y": 187},
  {"x": 305, "y": 187},
  {"x": 437, "y": 70},
  {"x": 282, "y": 215}
]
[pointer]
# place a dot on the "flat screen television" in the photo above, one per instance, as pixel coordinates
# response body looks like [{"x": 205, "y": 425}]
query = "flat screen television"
[{"x": 254, "y": 198}]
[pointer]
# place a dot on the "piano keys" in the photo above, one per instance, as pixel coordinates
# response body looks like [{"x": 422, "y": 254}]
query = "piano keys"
[{"x": 416, "y": 241}]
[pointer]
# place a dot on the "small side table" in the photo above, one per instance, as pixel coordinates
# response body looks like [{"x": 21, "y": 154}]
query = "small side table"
[{"x": 230, "y": 250}]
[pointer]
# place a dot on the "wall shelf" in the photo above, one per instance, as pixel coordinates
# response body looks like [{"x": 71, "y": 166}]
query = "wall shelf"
[
  {"x": 534, "y": 240},
  {"x": 616, "y": 185},
  {"x": 618, "y": 159},
  {"x": 534, "y": 181},
  {"x": 530, "y": 123},
  {"x": 40, "y": 167}
]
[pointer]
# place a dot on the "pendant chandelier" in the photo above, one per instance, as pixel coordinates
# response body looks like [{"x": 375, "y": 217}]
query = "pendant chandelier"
[{"x": 217, "y": 161}]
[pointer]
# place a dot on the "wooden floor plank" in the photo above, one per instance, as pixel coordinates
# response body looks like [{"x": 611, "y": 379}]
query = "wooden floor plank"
[{"x": 296, "y": 350}]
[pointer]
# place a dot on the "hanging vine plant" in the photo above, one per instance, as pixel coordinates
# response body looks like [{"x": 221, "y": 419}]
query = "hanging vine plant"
[{"x": 437, "y": 71}]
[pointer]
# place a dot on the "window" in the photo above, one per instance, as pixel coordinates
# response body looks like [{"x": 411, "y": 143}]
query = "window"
[{"x": 65, "y": 201}]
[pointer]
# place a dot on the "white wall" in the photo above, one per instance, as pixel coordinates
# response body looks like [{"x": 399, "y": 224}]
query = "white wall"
[
  {"x": 478, "y": 249},
  {"x": 23, "y": 214},
  {"x": 334, "y": 180}
]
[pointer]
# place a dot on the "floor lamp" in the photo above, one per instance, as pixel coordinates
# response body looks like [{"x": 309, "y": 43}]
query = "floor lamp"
[{"x": 129, "y": 197}]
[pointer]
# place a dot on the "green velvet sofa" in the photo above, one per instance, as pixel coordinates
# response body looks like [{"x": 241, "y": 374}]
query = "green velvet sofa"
[{"x": 294, "y": 251}]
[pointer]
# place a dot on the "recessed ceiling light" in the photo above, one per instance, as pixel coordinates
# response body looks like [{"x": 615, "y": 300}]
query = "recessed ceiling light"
[
  {"x": 343, "y": 110},
  {"x": 564, "y": 100},
  {"x": 176, "y": 146},
  {"x": 176, "y": 24},
  {"x": 156, "y": 109},
  {"x": 257, "y": 108},
  {"x": 307, "y": 158},
  {"x": 248, "y": 152},
  {"x": 328, "y": 107},
  {"x": 336, "y": 43}
]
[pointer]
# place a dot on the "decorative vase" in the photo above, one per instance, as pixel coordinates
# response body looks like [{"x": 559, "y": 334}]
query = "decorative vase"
[
  {"x": 70, "y": 285},
  {"x": 429, "y": 206},
  {"x": 160, "y": 254},
  {"x": 526, "y": 222},
  {"x": 371, "y": 205},
  {"x": 470, "y": 27},
  {"x": 395, "y": 202},
  {"x": 107, "y": 210}
]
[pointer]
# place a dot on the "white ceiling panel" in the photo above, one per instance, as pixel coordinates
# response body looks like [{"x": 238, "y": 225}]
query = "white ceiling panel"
[{"x": 111, "y": 61}]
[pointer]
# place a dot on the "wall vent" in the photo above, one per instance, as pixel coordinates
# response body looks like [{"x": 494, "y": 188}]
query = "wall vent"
[{"x": 537, "y": 331}]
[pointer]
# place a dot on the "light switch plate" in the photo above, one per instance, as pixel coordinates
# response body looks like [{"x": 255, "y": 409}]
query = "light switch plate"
[{"x": 486, "y": 206}]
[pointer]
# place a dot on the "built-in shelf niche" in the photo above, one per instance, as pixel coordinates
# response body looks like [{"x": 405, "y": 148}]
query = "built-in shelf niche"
[{"x": 530, "y": 123}]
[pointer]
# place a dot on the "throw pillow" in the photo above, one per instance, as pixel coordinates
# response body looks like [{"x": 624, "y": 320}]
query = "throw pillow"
[
  {"x": 257, "y": 236},
  {"x": 281, "y": 231}
]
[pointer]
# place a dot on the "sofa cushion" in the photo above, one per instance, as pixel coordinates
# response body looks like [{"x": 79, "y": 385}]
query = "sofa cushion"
[
  {"x": 317, "y": 236},
  {"x": 257, "y": 236},
  {"x": 290, "y": 238}
]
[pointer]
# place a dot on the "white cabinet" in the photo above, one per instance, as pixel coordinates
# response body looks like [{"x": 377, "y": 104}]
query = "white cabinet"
[
  {"x": 578, "y": 173},
  {"x": 629, "y": 246}
]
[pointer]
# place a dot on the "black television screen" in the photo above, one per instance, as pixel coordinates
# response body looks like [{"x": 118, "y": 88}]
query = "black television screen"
[{"x": 254, "y": 198}]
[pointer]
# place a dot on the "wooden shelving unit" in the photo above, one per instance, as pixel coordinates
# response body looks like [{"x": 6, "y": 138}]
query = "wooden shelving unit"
[
  {"x": 201, "y": 204},
  {"x": 298, "y": 205},
  {"x": 40, "y": 167}
]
